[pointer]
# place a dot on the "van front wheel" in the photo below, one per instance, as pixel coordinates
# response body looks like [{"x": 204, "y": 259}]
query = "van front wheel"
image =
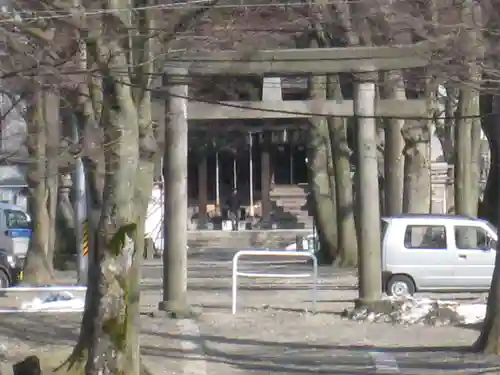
[{"x": 400, "y": 285}]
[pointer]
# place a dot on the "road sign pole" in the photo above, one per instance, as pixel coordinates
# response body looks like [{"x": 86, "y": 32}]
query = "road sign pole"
[{"x": 80, "y": 209}]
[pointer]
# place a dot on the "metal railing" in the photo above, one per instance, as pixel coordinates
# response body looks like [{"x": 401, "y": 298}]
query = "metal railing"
[{"x": 273, "y": 253}]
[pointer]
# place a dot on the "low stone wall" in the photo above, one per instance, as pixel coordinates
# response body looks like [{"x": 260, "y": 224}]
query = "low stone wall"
[{"x": 271, "y": 239}]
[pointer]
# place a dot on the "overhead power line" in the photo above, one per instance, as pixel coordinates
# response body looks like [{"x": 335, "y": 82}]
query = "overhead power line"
[{"x": 16, "y": 16}]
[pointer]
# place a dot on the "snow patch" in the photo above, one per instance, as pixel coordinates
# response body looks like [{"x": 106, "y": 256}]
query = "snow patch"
[
  {"x": 409, "y": 310},
  {"x": 56, "y": 302}
]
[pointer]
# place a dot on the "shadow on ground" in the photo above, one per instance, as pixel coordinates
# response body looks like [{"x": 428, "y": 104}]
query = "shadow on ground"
[
  {"x": 265, "y": 357},
  {"x": 300, "y": 358}
]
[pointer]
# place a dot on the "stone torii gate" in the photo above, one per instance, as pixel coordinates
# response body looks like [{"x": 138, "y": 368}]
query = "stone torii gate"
[{"x": 278, "y": 63}]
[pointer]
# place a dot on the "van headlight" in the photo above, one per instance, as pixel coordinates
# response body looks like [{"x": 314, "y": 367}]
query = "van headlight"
[{"x": 12, "y": 260}]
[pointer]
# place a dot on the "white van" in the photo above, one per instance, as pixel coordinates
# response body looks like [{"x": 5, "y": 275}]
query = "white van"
[
  {"x": 437, "y": 253},
  {"x": 15, "y": 234}
]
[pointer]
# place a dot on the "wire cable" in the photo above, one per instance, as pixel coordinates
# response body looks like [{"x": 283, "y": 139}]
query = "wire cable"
[{"x": 194, "y": 4}]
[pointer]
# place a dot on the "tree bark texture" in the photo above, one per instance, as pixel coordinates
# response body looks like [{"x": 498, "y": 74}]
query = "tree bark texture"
[
  {"x": 393, "y": 149},
  {"x": 109, "y": 337},
  {"x": 347, "y": 236},
  {"x": 489, "y": 339},
  {"x": 322, "y": 177},
  {"x": 38, "y": 267},
  {"x": 369, "y": 269},
  {"x": 114, "y": 300},
  {"x": 491, "y": 128},
  {"x": 417, "y": 174}
]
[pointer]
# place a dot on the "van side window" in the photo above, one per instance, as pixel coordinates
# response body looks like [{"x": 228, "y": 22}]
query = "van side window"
[
  {"x": 425, "y": 237},
  {"x": 471, "y": 238},
  {"x": 16, "y": 220}
]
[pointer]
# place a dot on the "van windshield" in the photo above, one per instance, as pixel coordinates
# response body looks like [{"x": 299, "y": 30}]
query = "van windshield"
[{"x": 17, "y": 220}]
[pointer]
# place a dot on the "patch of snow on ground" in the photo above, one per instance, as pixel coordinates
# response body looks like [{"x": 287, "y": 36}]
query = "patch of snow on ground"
[
  {"x": 410, "y": 310},
  {"x": 472, "y": 313},
  {"x": 57, "y": 302}
]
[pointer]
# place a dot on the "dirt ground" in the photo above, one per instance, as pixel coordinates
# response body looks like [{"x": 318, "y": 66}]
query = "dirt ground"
[
  {"x": 51, "y": 336},
  {"x": 275, "y": 330}
]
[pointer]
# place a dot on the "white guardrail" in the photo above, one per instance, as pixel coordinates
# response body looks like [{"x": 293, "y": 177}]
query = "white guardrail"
[{"x": 274, "y": 253}]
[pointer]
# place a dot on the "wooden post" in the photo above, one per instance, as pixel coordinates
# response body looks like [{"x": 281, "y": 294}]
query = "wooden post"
[
  {"x": 369, "y": 268},
  {"x": 175, "y": 172},
  {"x": 202, "y": 191},
  {"x": 265, "y": 166}
]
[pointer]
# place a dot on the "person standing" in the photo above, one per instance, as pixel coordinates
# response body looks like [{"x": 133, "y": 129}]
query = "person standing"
[{"x": 234, "y": 208}]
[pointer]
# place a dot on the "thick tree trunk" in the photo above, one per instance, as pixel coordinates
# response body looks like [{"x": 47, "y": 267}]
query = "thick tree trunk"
[
  {"x": 322, "y": 177},
  {"x": 322, "y": 196},
  {"x": 393, "y": 150},
  {"x": 38, "y": 267},
  {"x": 109, "y": 342},
  {"x": 109, "y": 333},
  {"x": 114, "y": 296},
  {"x": 491, "y": 127},
  {"x": 347, "y": 236},
  {"x": 489, "y": 339},
  {"x": 417, "y": 174}
]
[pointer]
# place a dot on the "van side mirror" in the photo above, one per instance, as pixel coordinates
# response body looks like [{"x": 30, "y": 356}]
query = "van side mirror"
[{"x": 490, "y": 244}]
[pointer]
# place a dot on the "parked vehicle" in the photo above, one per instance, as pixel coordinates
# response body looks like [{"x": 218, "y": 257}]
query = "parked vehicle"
[
  {"x": 10, "y": 269},
  {"x": 437, "y": 253},
  {"x": 15, "y": 234}
]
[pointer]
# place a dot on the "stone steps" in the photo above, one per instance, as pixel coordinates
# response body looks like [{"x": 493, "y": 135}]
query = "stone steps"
[{"x": 290, "y": 201}]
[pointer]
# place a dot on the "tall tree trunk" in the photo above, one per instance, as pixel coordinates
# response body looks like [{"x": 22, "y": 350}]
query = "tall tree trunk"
[
  {"x": 417, "y": 174},
  {"x": 109, "y": 342},
  {"x": 393, "y": 149},
  {"x": 489, "y": 339},
  {"x": 491, "y": 124},
  {"x": 322, "y": 177},
  {"x": 347, "y": 236},
  {"x": 109, "y": 336},
  {"x": 38, "y": 267},
  {"x": 114, "y": 297},
  {"x": 109, "y": 333}
]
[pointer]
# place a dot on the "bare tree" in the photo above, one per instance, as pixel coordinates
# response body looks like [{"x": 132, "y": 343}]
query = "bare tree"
[
  {"x": 322, "y": 175},
  {"x": 43, "y": 149}
]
